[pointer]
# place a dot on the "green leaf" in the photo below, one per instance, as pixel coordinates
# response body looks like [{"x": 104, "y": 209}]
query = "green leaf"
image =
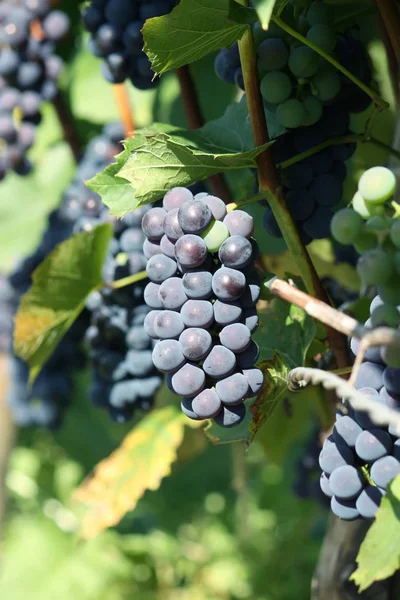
[
  {"x": 241, "y": 14},
  {"x": 284, "y": 335},
  {"x": 193, "y": 29},
  {"x": 58, "y": 293},
  {"x": 139, "y": 464},
  {"x": 379, "y": 554},
  {"x": 264, "y": 9},
  {"x": 151, "y": 165}
]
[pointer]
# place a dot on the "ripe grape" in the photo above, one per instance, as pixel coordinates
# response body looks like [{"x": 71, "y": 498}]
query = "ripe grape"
[
  {"x": 255, "y": 379},
  {"x": 236, "y": 337},
  {"x": 248, "y": 358},
  {"x": 239, "y": 222},
  {"x": 333, "y": 456},
  {"x": 324, "y": 484},
  {"x": 190, "y": 251},
  {"x": 168, "y": 324},
  {"x": 196, "y": 343},
  {"x": 231, "y": 416},
  {"x": 160, "y": 267},
  {"x": 151, "y": 295},
  {"x": 167, "y": 247},
  {"x": 153, "y": 223},
  {"x": 171, "y": 226},
  {"x": 236, "y": 252},
  {"x": 233, "y": 389},
  {"x": 228, "y": 284},
  {"x": 346, "y": 482},
  {"x": 149, "y": 323},
  {"x": 373, "y": 444},
  {"x": 187, "y": 409},
  {"x": 197, "y": 313},
  {"x": 206, "y": 404},
  {"x": 176, "y": 197},
  {"x": 346, "y": 431},
  {"x": 194, "y": 216},
  {"x": 197, "y": 284},
  {"x": 172, "y": 294},
  {"x": 344, "y": 509},
  {"x": 219, "y": 363},
  {"x": 216, "y": 205},
  {"x": 167, "y": 356},
  {"x": 384, "y": 470},
  {"x": 369, "y": 501},
  {"x": 188, "y": 381},
  {"x": 226, "y": 313}
]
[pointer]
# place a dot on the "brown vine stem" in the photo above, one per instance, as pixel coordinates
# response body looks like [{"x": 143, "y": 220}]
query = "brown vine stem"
[
  {"x": 124, "y": 108},
  {"x": 66, "y": 120},
  {"x": 195, "y": 120},
  {"x": 390, "y": 14},
  {"x": 269, "y": 181}
]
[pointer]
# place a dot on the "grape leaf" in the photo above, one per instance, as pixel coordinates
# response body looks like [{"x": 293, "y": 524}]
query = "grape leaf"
[
  {"x": 379, "y": 554},
  {"x": 193, "y": 29},
  {"x": 284, "y": 336},
  {"x": 241, "y": 14},
  {"x": 139, "y": 464},
  {"x": 57, "y": 295}
]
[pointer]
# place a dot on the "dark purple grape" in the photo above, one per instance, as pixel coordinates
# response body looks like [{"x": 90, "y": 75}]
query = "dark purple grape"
[
  {"x": 373, "y": 444},
  {"x": 197, "y": 313},
  {"x": 197, "y": 284},
  {"x": 167, "y": 247},
  {"x": 219, "y": 363},
  {"x": 186, "y": 407},
  {"x": 226, "y": 313},
  {"x": 56, "y": 25},
  {"x": 255, "y": 379},
  {"x": 149, "y": 324},
  {"x": 235, "y": 252},
  {"x": 160, "y": 267},
  {"x": 168, "y": 325},
  {"x": 344, "y": 509},
  {"x": 172, "y": 229},
  {"x": 188, "y": 381},
  {"x": 346, "y": 482},
  {"x": 324, "y": 485},
  {"x": 215, "y": 204},
  {"x": 190, "y": 251},
  {"x": 206, "y": 404},
  {"x": 369, "y": 501},
  {"x": 194, "y": 216},
  {"x": 228, "y": 284},
  {"x": 196, "y": 343},
  {"x": 236, "y": 337},
  {"x": 346, "y": 431},
  {"x": 172, "y": 294},
  {"x": 151, "y": 295},
  {"x": 176, "y": 197},
  {"x": 333, "y": 456},
  {"x": 233, "y": 389},
  {"x": 167, "y": 356},
  {"x": 248, "y": 358},
  {"x": 391, "y": 380},
  {"x": 250, "y": 296},
  {"x": 231, "y": 416},
  {"x": 384, "y": 470},
  {"x": 250, "y": 319},
  {"x": 151, "y": 248},
  {"x": 370, "y": 375},
  {"x": 239, "y": 222},
  {"x": 153, "y": 223}
]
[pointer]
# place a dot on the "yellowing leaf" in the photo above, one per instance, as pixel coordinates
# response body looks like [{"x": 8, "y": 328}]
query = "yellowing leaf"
[{"x": 139, "y": 464}]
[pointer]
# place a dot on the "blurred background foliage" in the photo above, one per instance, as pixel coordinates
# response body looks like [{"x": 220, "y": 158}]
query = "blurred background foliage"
[{"x": 221, "y": 527}]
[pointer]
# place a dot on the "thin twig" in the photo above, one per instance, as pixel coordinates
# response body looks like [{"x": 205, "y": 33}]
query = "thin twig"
[
  {"x": 124, "y": 108},
  {"x": 391, "y": 57},
  {"x": 66, "y": 120},
  {"x": 390, "y": 14},
  {"x": 195, "y": 120},
  {"x": 380, "y": 414}
]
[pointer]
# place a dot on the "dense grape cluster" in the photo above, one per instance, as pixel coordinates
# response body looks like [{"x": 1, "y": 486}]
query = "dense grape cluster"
[
  {"x": 29, "y": 69},
  {"x": 312, "y": 101},
  {"x": 360, "y": 459},
  {"x": 203, "y": 292},
  {"x": 116, "y": 37},
  {"x": 371, "y": 226}
]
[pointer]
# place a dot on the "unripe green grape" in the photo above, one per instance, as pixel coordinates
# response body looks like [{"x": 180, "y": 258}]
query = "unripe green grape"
[
  {"x": 276, "y": 87},
  {"x": 377, "y": 224},
  {"x": 323, "y": 36},
  {"x": 377, "y": 185},
  {"x": 375, "y": 267},
  {"x": 346, "y": 226},
  {"x": 215, "y": 235},
  {"x": 385, "y": 314},
  {"x": 365, "y": 209},
  {"x": 365, "y": 241},
  {"x": 313, "y": 108},
  {"x": 395, "y": 233},
  {"x": 390, "y": 291},
  {"x": 303, "y": 62},
  {"x": 391, "y": 356},
  {"x": 291, "y": 114},
  {"x": 327, "y": 84},
  {"x": 319, "y": 12}
]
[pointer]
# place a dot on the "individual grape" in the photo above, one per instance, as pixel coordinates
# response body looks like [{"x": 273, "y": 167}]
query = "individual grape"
[
  {"x": 187, "y": 409},
  {"x": 391, "y": 380},
  {"x": 376, "y": 185},
  {"x": 151, "y": 248},
  {"x": 375, "y": 267},
  {"x": 319, "y": 12},
  {"x": 160, "y": 267},
  {"x": 369, "y": 501},
  {"x": 167, "y": 356},
  {"x": 29, "y": 74},
  {"x": 231, "y": 416},
  {"x": 365, "y": 209},
  {"x": 176, "y": 197},
  {"x": 326, "y": 84},
  {"x": 291, "y": 114},
  {"x": 391, "y": 356},
  {"x": 197, "y": 313},
  {"x": 224, "y": 67},
  {"x": 248, "y": 358},
  {"x": 301, "y": 203},
  {"x": 384, "y": 470},
  {"x": 346, "y": 482},
  {"x": 323, "y": 36},
  {"x": 373, "y": 354},
  {"x": 228, "y": 284},
  {"x": 168, "y": 324},
  {"x": 273, "y": 55},
  {"x": 239, "y": 222},
  {"x": 197, "y": 284},
  {"x": 233, "y": 389},
  {"x": 377, "y": 224},
  {"x": 297, "y": 176},
  {"x": 56, "y": 25},
  {"x": 153, "y": 224},
  {"x": 251, "y": 295},
  {"x": 194, "y": 216},
  {"x": 172, "y": 229},
  {"x": 226, "y": 313},
  {"x": 377, "y": 301},
  {"x": 324, "y": 485},
  {"x": 303, "y": 62},
  {"x": 236, "y": 252},
  {"x": 189, "y": 381},
  {"x": 131, "y": 240},
  {"x": 255, "y": 379},
  {"x": 365, "y": 242},
  {"x": 137, "y": 338},
  {"x": 362, "y": 417},
  {"x": 385, "y": 314},
  {"x": 206, "y": 404},
  {"x": 370, "y": 375},
  {"x": 333, "y": 456},
  {"x": 167, "y": 247},
  {"x": 215, "y": 235},
  {"x": 346, "y": 226},
  {"x": 149, "y": 323},
  {"x": 139, "y": 362},
  {"x": 373, "y": 444},
  {"x": 313, "y": 110},
  {"x": 390, "y": 291},
  {"x": 172, "y": 294},
  {"x": 219, "y": 363},
  {"x": 317, "y": 226},
  {"x": 196, "y": 343},
  {"x": 236, "y": 337},
  {"x": 389, "y": 399},
  {"x": 344, "y": 509},
  {"x": 151, "y": 295},
  {"x": 346, "y": 431},
  {"x": 276, "y": 87},
  {"x": 215, "y": 204},
  {"x": 326, "y": 189},
  {"x": 270, "y": 224},
  {"x": 190, "y": 251},
  {"x": 250, "y": 319}
]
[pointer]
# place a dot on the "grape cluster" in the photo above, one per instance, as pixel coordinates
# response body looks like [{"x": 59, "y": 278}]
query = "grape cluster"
[
  {"x": 373, "y": 229},
  {"x": 116, "y": 37},
  {"x": 312, "y": 101},
  {"x": 358, "y": 446},
  {"x": 29, "y": 69},
  {"x": 203, "y": 292}
]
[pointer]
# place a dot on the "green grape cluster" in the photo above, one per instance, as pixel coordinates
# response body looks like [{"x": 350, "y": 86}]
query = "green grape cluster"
[{"x": 372, "y": 225}]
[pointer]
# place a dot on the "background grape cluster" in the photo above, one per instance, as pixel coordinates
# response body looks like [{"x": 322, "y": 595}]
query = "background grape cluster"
[
  {"x": 312, "y": 101},
  {"x": 115, "y": 27},
  {"x": 29, "y": 69},
  {"x": 203, "y": 292}
]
